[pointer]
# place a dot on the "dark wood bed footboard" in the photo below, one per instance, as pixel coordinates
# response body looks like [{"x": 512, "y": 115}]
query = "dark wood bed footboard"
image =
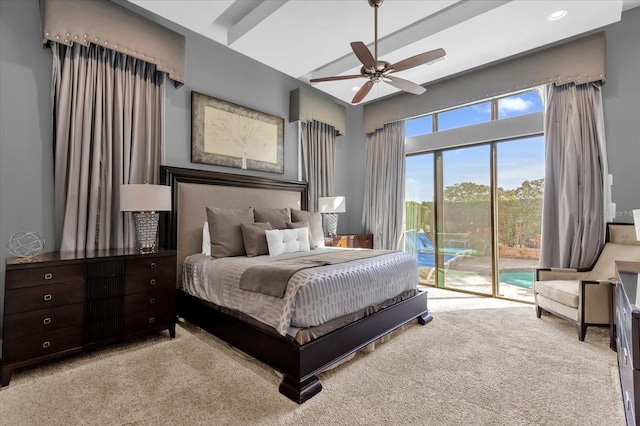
[{"x": 299, "y": 363}]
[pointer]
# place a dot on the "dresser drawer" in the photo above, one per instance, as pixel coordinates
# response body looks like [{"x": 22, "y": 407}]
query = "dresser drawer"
[
  {"x": 149, "y": 263},
  {"x": 42, "y": 344},
  {"x": 142, "y": 321},
  {"x": 43, "y": 297},
  {"x": 18, "y": 278},
  {"x": 43, "y": 320},
  {"x": 138, "y": 283},
  {"x": 155, "y": 301}
]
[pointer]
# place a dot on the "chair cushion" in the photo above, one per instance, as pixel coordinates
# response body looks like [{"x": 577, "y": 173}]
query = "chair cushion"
[{"x": 562, "y": 291}]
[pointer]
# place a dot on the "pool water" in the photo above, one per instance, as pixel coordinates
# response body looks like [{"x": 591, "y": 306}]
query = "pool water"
[{"x": 519, "y": 277}]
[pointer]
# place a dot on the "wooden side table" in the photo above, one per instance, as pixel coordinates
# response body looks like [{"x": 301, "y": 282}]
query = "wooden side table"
[{"x": 350, "y": 241}]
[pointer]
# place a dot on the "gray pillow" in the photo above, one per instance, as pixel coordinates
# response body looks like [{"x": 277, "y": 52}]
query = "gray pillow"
[
  {"x": 225, "y": 232},
  {"x": 255, "y": 240},
  {"x": 278, "y": 218},
  {"x": 314, "y": 219}
]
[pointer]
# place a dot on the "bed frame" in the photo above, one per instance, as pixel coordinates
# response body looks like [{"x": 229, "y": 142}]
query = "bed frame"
[{"x": 297, "y": 362}]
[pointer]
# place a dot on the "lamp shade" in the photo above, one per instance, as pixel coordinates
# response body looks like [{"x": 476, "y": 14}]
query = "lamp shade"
[
  {"x": 636, "y": 221},
  {"x": 145, "y": 198},
  {"x": 331, "y": 204}
]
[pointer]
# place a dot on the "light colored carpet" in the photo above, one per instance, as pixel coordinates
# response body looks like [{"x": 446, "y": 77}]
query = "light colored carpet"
[{"x": 479, "y": 362}]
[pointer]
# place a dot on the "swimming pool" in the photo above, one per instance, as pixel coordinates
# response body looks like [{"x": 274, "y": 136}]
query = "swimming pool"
[{"x": 522, "y": 277}]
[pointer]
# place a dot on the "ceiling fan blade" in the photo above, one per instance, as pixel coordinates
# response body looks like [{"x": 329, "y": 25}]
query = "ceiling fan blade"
[
  {"x": 364, "y": 54},
  {"x": 416, "y": 60},
  {"x": 338, "y": 77},
  {"x": 362, "y": 92},
  {"x": 406, "y": 85}
]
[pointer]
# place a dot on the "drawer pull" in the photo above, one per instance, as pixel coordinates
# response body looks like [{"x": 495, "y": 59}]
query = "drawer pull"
[
  {"x": 152, "y": 320},
  {"x": 152, "y": 281},
  {"x": 153, "y": 265},
  {"x": 46, "y": 344},
  {"x": 47, "y": 297},
  {"x": 152, "y": 301},
  {"x": 48, "y": 276},
  {"x": 46, "y": 321}
]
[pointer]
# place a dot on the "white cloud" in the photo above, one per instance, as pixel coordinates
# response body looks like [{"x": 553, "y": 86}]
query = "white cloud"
[{"x": 514, "y": 104}]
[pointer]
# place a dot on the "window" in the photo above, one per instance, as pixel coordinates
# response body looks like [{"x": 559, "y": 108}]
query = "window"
[
  {"x": 473, "y": 206},
  {"x": 465, "y": 116},
  {"x": 419, "y": 126},
  {"x": 520, "y": 104}
]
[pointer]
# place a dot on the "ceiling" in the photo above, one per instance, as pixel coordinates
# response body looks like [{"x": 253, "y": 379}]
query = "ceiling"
[{"x": 311, "y": 38}]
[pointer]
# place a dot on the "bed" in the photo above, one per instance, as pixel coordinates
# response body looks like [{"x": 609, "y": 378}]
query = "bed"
[{"x": 298, "y": 356}]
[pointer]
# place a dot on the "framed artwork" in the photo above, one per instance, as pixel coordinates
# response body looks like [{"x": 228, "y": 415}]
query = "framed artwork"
[{"x": 226, "y": 134}]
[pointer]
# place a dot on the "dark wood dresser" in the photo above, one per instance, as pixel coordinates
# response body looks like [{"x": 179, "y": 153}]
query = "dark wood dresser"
[
  {"x": 627, "y": 299},
  {"x": 65, "y": 302},
  {"x": 350, "y": 241}
]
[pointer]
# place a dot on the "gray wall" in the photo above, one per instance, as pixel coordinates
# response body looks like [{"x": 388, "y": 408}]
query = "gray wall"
[
  {"x": 621, "y": 95},
  {"x": 26, "y": 175}
]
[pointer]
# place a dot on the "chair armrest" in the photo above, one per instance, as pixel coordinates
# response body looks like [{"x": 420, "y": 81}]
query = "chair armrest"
[
  {"x": 594, "y": 296},
  {"x": 547, "y": 274}
]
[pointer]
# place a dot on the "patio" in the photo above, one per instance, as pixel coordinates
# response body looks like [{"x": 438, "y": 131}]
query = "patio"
[{"x": 473, "y": 274}]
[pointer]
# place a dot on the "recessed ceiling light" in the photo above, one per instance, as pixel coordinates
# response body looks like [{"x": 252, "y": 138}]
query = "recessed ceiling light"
[
  {"x": 558, "y": 14},
  {"x": 355, "y": 88}
]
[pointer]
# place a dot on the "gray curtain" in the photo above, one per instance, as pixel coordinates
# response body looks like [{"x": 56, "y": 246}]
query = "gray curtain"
[
  {"x": 573, "y": 203},
  {"x": 383, "y": 209},
  {"x": 318, "y": 142},
  {"x": 107, "y": 131}
]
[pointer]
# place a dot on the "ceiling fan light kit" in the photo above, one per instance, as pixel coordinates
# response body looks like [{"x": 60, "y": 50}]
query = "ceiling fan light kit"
[{"x": 376, "y": 71}]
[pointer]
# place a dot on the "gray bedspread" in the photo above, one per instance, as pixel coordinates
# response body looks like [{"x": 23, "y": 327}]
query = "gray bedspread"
[
  {"x": 313, "y": 296},
  {"x": 272, "y": 278}
]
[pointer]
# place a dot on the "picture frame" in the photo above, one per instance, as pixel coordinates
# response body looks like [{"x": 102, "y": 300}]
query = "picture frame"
[{"x": 231, "y": 135}]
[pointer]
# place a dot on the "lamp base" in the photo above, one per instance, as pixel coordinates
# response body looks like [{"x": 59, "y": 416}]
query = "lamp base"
[
  {"x": 147, "y": 231},
  {"x": 331, "y": 220}
]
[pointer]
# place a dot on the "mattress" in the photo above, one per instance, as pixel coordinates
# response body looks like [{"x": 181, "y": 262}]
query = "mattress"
[{"x": 313, "y": 297}]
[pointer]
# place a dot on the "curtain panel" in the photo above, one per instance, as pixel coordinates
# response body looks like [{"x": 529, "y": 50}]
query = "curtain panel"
[
  {"x": 107, "y": 131},
  {"x": 318, "y": 143},
  {"x": 383, "y": 209},
  {"x": 574, "y": 201}
]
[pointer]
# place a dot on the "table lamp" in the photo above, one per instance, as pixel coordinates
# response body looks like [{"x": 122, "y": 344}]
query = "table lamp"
[
  {"x": 330, "y": 207},
  {"x": 145, "y": 201}
]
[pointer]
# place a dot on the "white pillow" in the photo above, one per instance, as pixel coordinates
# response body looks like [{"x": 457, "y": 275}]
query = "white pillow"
[
  {"x": 206, "y": 239},
  {"x": 282, "y": 241}
]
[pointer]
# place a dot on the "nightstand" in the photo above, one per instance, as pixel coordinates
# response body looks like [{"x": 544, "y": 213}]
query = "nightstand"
[
  {"x": 61, "y": 303},
  {"x": 350, "y": 241}
]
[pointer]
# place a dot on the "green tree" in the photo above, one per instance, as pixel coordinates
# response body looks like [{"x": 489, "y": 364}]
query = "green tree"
[{"x": 466, "y": 191}]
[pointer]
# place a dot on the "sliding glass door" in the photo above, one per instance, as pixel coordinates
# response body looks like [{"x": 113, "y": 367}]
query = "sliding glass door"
[
  {"x": 520, "y": 171},
  {"x": 420, "y": 215},
  {"x": 474, "y": 179},
  {"x": 464, "y": 231}
]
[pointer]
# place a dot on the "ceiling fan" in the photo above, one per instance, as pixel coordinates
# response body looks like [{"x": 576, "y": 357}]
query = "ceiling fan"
[{"x": 375, "y": 71}]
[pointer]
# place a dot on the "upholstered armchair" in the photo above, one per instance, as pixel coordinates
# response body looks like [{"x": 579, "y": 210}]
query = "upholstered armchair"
[{"x": 582, "y": 296}]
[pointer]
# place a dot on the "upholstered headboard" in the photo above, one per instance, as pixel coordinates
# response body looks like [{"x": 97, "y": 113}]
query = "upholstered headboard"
[{"x": 194, "y": 190}]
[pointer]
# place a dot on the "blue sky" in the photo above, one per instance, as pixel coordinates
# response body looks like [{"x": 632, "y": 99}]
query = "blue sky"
[{"x": 518, "y": 160}]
